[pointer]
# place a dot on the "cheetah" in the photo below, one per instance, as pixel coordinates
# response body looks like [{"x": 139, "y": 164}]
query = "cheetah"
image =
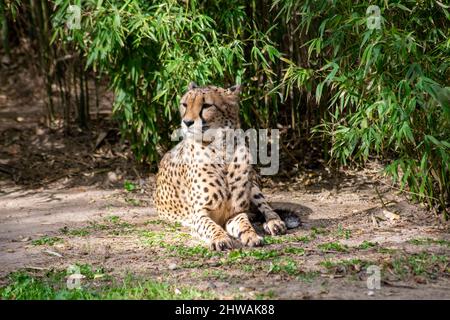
[{"x": 213, "y": 198}]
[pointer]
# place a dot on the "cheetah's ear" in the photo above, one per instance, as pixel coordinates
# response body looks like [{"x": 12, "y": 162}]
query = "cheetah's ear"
[
  {"x": 236, "y": 89},
  {"x": 192, "y": 85}
]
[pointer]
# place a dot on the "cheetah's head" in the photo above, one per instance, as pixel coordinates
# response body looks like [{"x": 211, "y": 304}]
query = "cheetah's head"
[{"x": 210, "y": 107}]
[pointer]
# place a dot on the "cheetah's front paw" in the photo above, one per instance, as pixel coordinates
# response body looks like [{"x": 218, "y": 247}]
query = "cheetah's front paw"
[
  {"x": 251, "y": 239},
  {"x": 275, "y": 227},
  {"x": 222, "y": 242}
]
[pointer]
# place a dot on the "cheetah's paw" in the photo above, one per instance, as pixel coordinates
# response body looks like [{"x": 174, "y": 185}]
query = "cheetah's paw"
[
  {"x": 251, "y": 239},
  {"x": 220, "y": 243},
  {"x": 275, "y": 227}
]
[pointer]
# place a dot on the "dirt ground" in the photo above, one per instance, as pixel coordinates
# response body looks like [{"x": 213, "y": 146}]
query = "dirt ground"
[{"x": 79, "y": 199}]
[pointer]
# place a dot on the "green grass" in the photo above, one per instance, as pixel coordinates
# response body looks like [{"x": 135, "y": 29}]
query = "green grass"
[
  {"x": 134, "y": 202},
  {"x": 258, "y": 254},
  {"x": 285, "y": 239},
  {"x": 183, "y": 251},
  {"x": 420, "y": 264},
  {"x": 308, "y": 276},
  {"x": 274, "y": 240},
  {"x": 304, "y": 239},
  {"x": 129, "y": 186},
  {"x": 153, "y": 238},
  {"x": 80, "y": 232},
  {"x": 270, "y": 294},
  {"x": 25, "y": 286},
  {"x": 45, "y": 240},
  {"x": 284, "y": 265},
  {"x": 343, "y": 233},
  {"x": 191, "y": 265},
  {"x": 177, "y": 249},
  {"x": 316, "y": 231},
  {"x": 345, "y": 266},
  {"x": 333, "y": 246},
  {"x": 429, "y": 241},
  {"x": 248, "y": 268},
  {"x": 216, "y": 274},
  {"x": 154, "y": 222},
  {"x": 113, "y": 224},
  {"x": 385, "y": 250},
  {"x": 367, "y": 245},
  {"x": 294, "y": 250}
]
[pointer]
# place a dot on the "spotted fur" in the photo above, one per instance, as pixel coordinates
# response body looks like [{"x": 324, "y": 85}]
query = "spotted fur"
[{"x": 214, "y": 199}]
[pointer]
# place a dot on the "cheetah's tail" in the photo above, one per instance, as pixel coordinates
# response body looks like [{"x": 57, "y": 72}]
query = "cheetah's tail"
[{"x": 290, "y": 213}]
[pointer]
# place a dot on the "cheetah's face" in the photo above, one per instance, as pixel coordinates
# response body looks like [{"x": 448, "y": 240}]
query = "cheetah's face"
[{"x": 204, "y": 108}]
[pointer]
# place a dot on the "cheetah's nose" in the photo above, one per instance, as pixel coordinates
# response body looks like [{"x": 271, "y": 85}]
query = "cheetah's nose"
[{"x": 188, "y": 123}]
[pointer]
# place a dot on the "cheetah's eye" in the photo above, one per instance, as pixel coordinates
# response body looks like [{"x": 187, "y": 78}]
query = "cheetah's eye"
[
  {"x": 207, "y": 105},
  {"x": 184, "y": 105}
]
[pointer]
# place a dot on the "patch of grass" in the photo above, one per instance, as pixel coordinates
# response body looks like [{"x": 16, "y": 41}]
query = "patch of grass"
[
  {"x": 81, "y": 232},
  {"x": 285, "y": 265},
  {"x": 118, "y": 226},
  {"x": 129, "y": 186},
  {"x": 95, "y": 226},
  {"x": 154, "y": 222},
  {"x": 191, "y": 265},
  {"x": 248, "y": 268},
  {"x": 345, "y": 266},
  {"x": 134, "y": 202},
  {"x": 385, "y": 250},
  {"x": 333, "y": 246},
  {"x": 153, "y": 238},
  {"x": 274, "y": 240},
  {"x": 172, "y": 227},
  {"x": 25, "y": 286},
  {"x": 316, "y": 231},
  {"x": 216, "y": 274},
  {"x": 157, "y": 238},
  {"x": 304, "y": 239},
  {"x": 367, "y": 245},
  {"x": 45, "y": 240},
  {"x": 294, "y": 250},
  {"x": 192, "y": 251},
  {"x": 258, "y": 254},
  {"x": 265, "y": 295},
  {"x": 285, "y": 239},
  {"x": 91, "y": 272},
  {"x": 113, "y": 224},
  {"x": 113, "y": 219},
  {"x": 420, "y": 264},
  {"x": 308, "y": 276},
  {"x": 343, "y": 233},
  {"x": 429, "y": 241}
]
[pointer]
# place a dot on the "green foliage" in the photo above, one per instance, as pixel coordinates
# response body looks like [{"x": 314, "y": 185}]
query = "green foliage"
[
  {"x": 333, "y": 246},
  {"x": 305, "y": 64},
  {"x": 258, "y": 254},
  {"x": 367, "y": 245},
  {"x": 345, "y": 266},
  {"x": 388, "y": 89},
  {"x": 285, "y": 265},
  {"x": 45, "y": 240},
  {"x": 420, "y": 264},
  {"x": 151, "y": 50},
  {"x": 429, "y": 241},
  {"x": 129, "y": 186},
  {"x": 25, "y": 286}
]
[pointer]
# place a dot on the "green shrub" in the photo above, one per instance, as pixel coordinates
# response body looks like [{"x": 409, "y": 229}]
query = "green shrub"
[{"x": 305, "y": 64}]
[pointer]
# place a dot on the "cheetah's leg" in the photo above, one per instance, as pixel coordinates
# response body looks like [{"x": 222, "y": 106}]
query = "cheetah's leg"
[
  {"x": 240, "y": 227},
  {"x": 211, "y": 232},
  {"x": 273, "y": 225},
  {"x": 238, "y": 177}
]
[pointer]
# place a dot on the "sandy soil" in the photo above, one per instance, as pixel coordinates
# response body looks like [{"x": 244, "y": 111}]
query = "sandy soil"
[{"x": 69, "y": 190}]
